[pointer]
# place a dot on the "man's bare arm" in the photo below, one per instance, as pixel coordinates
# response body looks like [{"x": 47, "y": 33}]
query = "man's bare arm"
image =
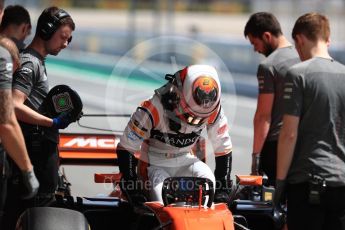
[
  {"x": 286, "y": 145},
  {"x": 262, "y": 120},
  {"x": 10, "y": 132},
  {"x": 26, "y": 114}
]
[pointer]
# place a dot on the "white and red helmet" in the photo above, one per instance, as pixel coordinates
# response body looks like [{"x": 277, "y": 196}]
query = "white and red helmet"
[{"x": 199, "y": 91}]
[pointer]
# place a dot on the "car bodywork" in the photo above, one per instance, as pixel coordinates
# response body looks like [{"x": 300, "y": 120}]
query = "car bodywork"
[{"x": 247, "y": 208}]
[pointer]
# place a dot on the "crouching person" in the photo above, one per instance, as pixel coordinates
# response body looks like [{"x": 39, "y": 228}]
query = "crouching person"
[{"x": 169, "y": 124}]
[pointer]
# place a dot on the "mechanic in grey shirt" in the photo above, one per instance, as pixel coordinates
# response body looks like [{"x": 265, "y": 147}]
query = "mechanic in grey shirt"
[
  {"x": 30, "y": 88},
  {"x": 311, "y": 149},
  {"x": 31, "y": 79},
  {"x": 16, "y": 24},
  {"x": 11, "y": 137},
  {"x": 264, "y": 33}
]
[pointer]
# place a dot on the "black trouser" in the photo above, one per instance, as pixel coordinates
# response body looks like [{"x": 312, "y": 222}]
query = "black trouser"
[
  {"x": 268, "y": 162},
  {"x": 3, "y": 181},
  {"x": 329, "y": 214},
  {"x": 44, "y": 158}
]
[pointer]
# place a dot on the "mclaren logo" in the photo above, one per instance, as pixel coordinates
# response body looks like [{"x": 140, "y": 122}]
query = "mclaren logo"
[{"x": 91, "y": 142}]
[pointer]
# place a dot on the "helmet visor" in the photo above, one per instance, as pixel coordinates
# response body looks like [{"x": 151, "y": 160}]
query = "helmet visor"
[
  {"x": 187, "y": 116},
  {"x": 205, "y": 92}
]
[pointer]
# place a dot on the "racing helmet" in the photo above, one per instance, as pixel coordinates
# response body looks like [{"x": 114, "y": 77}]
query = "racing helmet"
[{"x": 199, "y": 91}]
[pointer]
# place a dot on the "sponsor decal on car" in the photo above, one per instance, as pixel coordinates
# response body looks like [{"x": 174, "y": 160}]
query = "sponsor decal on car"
[
  {"x": 93, "y": 142},
  {"x": 81, "y": 146}
]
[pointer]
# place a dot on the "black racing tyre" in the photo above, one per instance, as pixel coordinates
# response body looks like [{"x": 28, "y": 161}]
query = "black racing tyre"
[{"x": 49, "y": 218}]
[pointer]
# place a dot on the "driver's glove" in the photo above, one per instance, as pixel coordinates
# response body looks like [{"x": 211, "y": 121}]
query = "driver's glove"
[
  {"x": 223, "y": 191},
  {"x": 132, "y": 190},
  {"x": 30, "y": 183},
  {"x": 223, "y": 180}
]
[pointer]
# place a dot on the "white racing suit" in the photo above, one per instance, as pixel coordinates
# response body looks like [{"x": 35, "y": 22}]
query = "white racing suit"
[{"x": 169, "y": 152}]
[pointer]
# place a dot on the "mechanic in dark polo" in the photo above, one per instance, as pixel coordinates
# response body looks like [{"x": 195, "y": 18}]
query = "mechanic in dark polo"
[
  {"x": 30, "y": 88},
  {"x": 311, "y": 147},
  {"x": 264, "y": 32},
  {"x": 16, "y": 24}
]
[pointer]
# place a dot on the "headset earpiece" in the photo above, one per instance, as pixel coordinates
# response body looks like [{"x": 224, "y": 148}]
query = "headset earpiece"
[{"x": 51, "y": 24}]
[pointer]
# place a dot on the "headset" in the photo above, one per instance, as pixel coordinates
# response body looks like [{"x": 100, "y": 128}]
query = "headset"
[{"x": 51, "y": 23}]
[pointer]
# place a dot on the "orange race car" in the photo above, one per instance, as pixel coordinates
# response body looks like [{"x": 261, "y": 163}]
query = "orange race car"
[{"x": 188, "y": 201}]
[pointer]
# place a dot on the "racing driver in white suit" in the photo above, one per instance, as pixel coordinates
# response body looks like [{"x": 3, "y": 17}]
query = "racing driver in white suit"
[{"x": 168, "y": 125}]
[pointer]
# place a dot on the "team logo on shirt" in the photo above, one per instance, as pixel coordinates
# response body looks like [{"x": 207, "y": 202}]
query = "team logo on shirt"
[
  {"x": 137, "y": 129},
  {"x": 288, "y": 90},
  {"x": 9, "y": 67},
  {"x": 133, "y": 136},
  {"x": 25, "y": 70},
  {"x": 177, "y": 140},
  {"x": 261, "y": 81}
]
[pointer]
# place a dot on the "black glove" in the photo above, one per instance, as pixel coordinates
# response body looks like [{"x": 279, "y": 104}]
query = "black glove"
[
  {"x": 62, "y": 121},
  {"x": 133, "y": 192},
  {"x": 30, "y": 183},
  {"x": 255, "y": 164},
  {"x": 279, "y": 215},
  {"x": 279, "y": 193},
  {"x": 222, "y": 194},
  {"x": 129, "y": 182},
  {"x": 223, "y": 180}
]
